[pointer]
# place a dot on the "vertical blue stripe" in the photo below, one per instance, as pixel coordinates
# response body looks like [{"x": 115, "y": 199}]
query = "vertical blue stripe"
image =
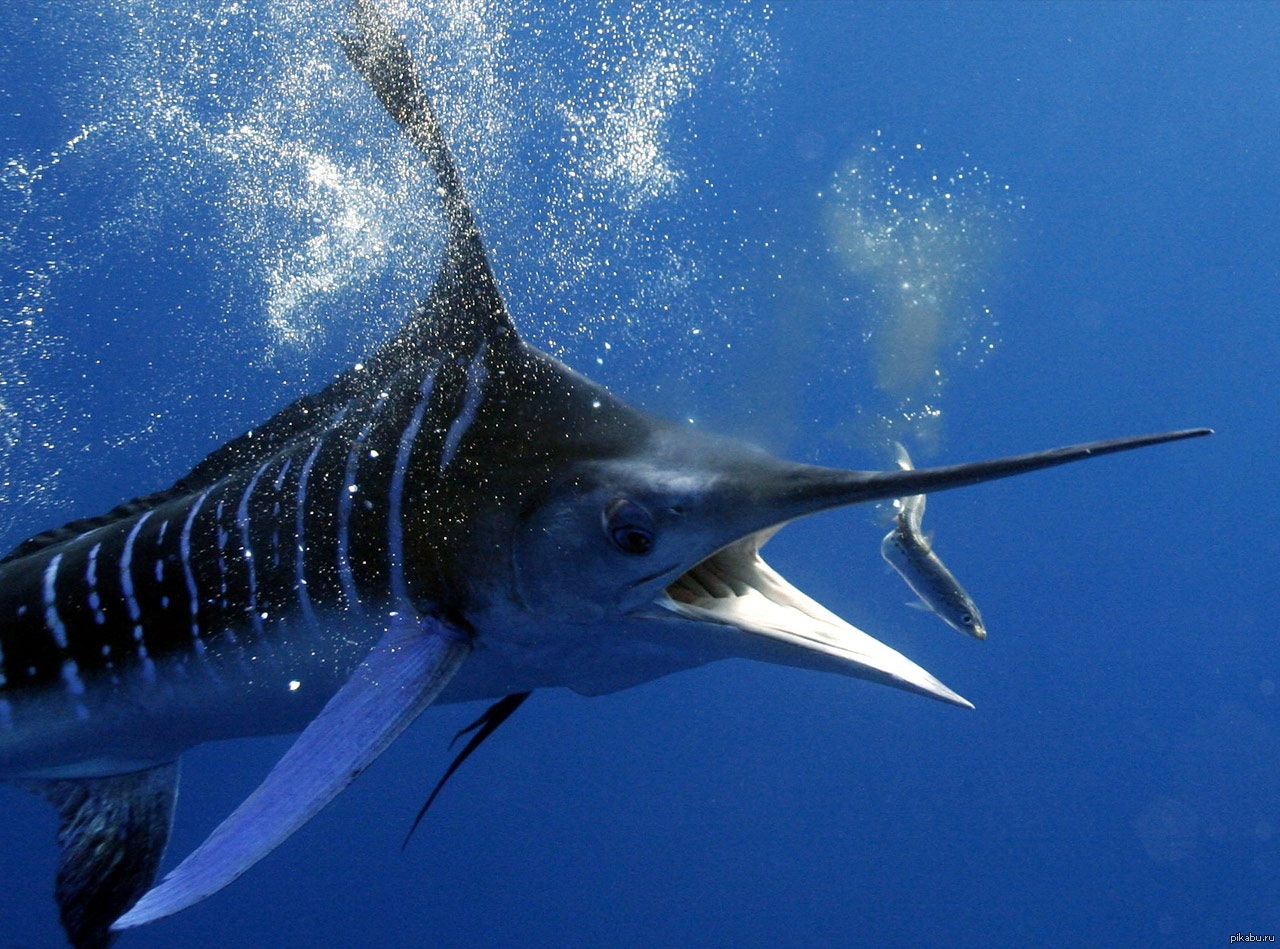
[
  {"x": 52, "y": 619},
  {"x": 91, "y": 581},
  {"x": 300, "y": 523},
  {"x": 131, "y": 601},
  {"x": 345, "y": 499},
  {"x": 395, "y": 498},
  {"x": 477, "y": 376},
  {"x": 184, "y": 554},
  {"x": 242, "y": 521}
]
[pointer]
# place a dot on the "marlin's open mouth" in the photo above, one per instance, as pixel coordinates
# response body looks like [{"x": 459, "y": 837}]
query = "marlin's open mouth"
[{"x": 735, "y": 587}]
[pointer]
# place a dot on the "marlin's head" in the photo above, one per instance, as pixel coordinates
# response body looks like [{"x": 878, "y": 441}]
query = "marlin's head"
[
  {"x": 657, "y": 551},
  {"x": 585, "y": 544},
  {"x": 662, "y": 549}
]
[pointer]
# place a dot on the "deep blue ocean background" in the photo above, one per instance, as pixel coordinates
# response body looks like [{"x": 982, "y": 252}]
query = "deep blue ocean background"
[{"x": 979, "y": 228}]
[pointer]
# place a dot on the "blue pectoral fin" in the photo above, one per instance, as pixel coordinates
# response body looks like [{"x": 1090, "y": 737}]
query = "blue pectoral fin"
[{"x": 395, "y": 683}]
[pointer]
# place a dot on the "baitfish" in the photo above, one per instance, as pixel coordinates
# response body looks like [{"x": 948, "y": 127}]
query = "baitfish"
[{"x": 910, "y": 552}]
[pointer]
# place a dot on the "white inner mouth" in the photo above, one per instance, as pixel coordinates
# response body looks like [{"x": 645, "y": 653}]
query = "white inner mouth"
[{"x": 735, "y": 587}]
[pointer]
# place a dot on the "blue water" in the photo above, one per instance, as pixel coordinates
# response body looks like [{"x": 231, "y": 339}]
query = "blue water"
[{"x": 730, "y": 215}]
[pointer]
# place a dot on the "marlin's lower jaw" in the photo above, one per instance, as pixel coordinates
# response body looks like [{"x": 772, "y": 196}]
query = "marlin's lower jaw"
[{"x": 734, "y": 587}]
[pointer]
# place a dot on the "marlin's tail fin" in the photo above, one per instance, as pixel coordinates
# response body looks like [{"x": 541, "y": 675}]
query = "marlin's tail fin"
[{"x": 113, "y": 832}]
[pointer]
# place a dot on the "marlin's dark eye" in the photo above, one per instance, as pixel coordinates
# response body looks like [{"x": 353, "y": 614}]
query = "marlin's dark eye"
[
  {"x": 966, "y": 618},
  {"x": 629, "y": 526}
]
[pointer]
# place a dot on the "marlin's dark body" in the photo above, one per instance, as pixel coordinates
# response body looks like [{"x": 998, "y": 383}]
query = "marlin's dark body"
[
  {"x": 239, "y": 566},
  {"x": 275, "y": 562},
  {"x": 276, "y": 559},
  {"x": 460, "y": 517}
]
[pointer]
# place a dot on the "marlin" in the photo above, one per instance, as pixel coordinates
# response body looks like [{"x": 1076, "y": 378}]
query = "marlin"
[
  {"x": 458, "y": 518},
  {"x": 910, "y": 552}
]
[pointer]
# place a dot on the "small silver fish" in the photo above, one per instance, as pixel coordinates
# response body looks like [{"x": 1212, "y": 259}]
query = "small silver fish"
[{"x": 910, "y": 553}]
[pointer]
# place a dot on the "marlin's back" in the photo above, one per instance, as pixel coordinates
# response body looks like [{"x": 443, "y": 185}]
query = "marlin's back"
[{"x": 243, "y": 598}]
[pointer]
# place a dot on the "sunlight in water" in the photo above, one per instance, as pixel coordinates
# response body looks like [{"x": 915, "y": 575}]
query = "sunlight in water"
[
  {"x": 322, "y": 206},
  {"x": 29, "y": 252}
]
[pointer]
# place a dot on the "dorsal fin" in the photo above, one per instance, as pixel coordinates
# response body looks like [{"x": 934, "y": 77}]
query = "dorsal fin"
[
  {"x": 465, "y": 297},
  {"x": 383, "y": 59},
  {"x": 464, "y": 304},
  {"x": 463, "y": 307}
]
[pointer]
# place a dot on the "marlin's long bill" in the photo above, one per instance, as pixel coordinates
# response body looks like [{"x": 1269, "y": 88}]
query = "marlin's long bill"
[{"x": 458, "y": 518}]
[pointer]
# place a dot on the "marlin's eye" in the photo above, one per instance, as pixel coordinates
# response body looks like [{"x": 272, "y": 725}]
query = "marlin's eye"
[
  {"x": 966, "y": 618},
  {"x": 629, "y": 526}
]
